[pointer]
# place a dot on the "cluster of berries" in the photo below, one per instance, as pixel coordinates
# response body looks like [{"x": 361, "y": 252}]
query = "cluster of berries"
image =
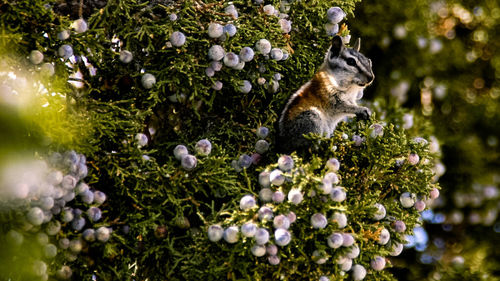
[
  {"x": 58, "y": 207},
  {"x": 188, "y": 162},
  {"x": 261, "y": 147},
  {"x": 269, "y": 227}
]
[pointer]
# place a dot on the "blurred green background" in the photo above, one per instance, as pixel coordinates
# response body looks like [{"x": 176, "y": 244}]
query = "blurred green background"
[{"x": 441, "y": 59}]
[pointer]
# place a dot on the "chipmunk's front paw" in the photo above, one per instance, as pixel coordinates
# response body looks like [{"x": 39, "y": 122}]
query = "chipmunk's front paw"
[{"x": 363, "y": 113}]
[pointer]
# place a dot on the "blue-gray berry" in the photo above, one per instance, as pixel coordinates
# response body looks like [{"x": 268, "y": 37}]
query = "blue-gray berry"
[
  {"x": 318, "y": 220},
  {"x": 215, "y": 232},
  {"x": 335, "y": 14},
  {"x": 87, "y": 197},
  {"x": 353, "y": 252},
  {"x": 89, "y": 235},
  {"x": 188, "y": 162},
  {"x": 141, "y": 139},
  {"x": 67, "y": 214},
  {"x": 358, "y": 272},
  {"x": 216, "y": 65},
  {"x": 81, "y": 187},
  {"x": 64, "y": 243},
  {"x": 276, "y": 177},
  {"x": 358, "y": 140},
  {"x": 262, "y": 132},
  {"x": 258, "y": 250},
  {"x": 53, "y": 227},
  {"x": 338, "y": 194},
  {"x": 80, "y": 25},
  {"x": 262, "y": 146},
  {"x": 78, "y": 223},
  {"x": 286, "y": 25},
  {"x": 384, "y": 236},
  {"x": 335, "y": 240},
  {"x": 148, "y": 80},
  {"x": 36, "y": 57},
  {"x": 180, "y": 151},
  {"x": 285, "y": 163},
  {"x": 244, "y": 161},
  {"x": 282, "y": 237},
  {"x": 276, "y": 54},
  {"x": 295, "y": 196},
  {"x": 281, "y": 221},
  {"x": 231, "y": 234},
  {"x": 407, "y": 199},
  {"x": 231, "y": 59},
  {"x": 278, "y": 196},
  {"x": 35, "y": 216},
  {"x": 273, "y": 260},
  {"x": 376, "y": 130},
  {"x": 177, "y": 38},
  {"x": 50, "y": 251},
  {"x": 261, "y": 236},
  {"x": 246, "y": 54},
  {"x": 215, "y": 30},
  {"x": 236, "y": 166},
  {"x": 273, "y": 86},
  {"x": 249, "y": 229},
  {"x": 396, "y": 248},
  {"x": 377, "y": 263},
  {"x": 203, "y": 147},
  {"x": 265, "y": 194},
  {"x": 65, "y": 51},
  {"x": 340, "y": 219},
  {"x": 99, "y": 197},
  {"x": 94, "y": 214},
  {"x": 103, "y": 234},
  {"x": 231, "y": 10},
  {"x": 271, "y": 249},
  {"x": 399, "y": 226},
  {"x": 63, "y": 35},
  {"x": 230, "y": 29},
  {"x": 348, "y": 239},
  {"x": 319, "y": 257},
  {"x": 333, "y": 164},
  {"x": 265, "y": 213},
  {"x": 217, "y": 85},
  {"x": 269, "y": 10},
  {"x": 126, "y": 56},
  {"x": 245, "y": 86},
  {"x": 263, "y": 46},
  {"x": 247, "y": 202},
  {"x": 380, "y": 212},
  {"x": 46, "y": 203},
  {"x": 216, "y": 53},
  {"x": 331, "y": 29}
]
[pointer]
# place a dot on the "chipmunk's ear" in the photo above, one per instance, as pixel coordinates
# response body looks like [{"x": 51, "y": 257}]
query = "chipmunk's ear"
[
  {"x": 337, "y": 46},
  {"x": 357, "y": 45}
]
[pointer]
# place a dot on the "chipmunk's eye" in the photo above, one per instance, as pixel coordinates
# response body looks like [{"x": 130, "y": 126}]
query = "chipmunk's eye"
[{"x": 351, "y": 61}]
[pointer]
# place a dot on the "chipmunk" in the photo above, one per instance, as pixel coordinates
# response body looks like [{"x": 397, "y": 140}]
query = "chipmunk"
[{"x": 327, "y": 98}]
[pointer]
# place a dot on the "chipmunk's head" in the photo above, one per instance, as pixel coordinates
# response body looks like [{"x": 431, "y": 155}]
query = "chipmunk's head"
[{"x": 348, "y": 66}]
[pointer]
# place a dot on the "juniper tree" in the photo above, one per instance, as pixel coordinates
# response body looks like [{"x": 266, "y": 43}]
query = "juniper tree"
[{"x": 168, "y": 109}]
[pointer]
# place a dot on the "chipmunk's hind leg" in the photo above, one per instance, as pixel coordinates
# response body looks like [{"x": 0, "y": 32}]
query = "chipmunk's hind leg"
[{"x": 292, "y": 137}]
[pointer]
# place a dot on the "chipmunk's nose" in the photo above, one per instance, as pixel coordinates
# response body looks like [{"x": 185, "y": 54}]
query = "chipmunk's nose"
[{"x": 370, "y": 77}]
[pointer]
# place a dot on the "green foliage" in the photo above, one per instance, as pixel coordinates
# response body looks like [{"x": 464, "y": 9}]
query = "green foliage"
[
  {"x": 370, "y": 175},
  {"x": 167, "y": 208}
]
